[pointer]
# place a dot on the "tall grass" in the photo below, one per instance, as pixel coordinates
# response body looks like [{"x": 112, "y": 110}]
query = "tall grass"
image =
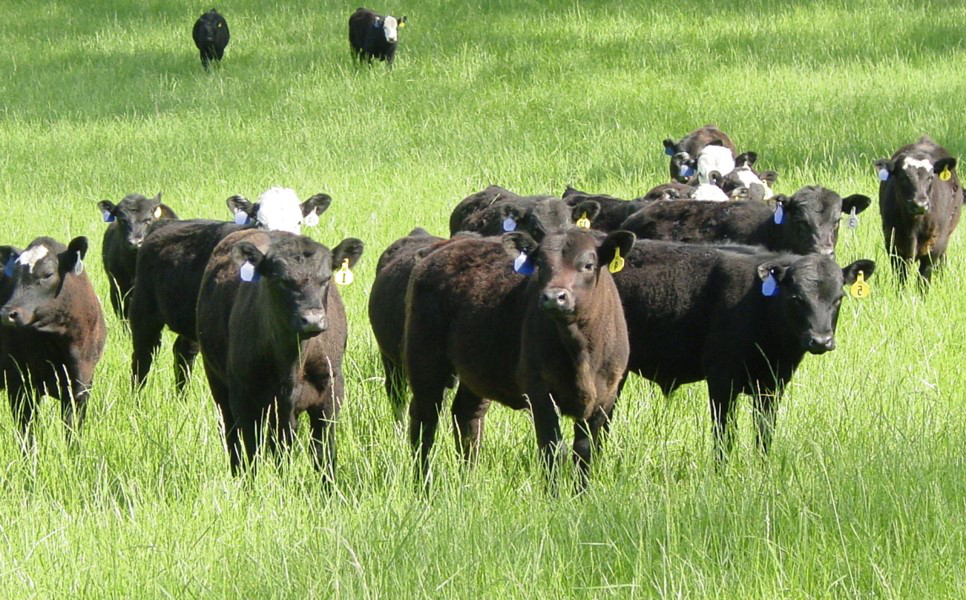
[{"x": 863, "y": 495}]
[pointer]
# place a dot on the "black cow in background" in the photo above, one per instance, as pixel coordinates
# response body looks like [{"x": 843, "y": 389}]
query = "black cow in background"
[
  {"x": 372, "y": 35},
  {"x": 920, "y": 200},
  {"x": 211, "y": 37}
]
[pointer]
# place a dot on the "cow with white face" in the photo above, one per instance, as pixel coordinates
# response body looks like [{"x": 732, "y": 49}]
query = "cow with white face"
[
  {"x": 374, "y": 36},
  {"x": 920, "y": 200},
  {"x": 279, "y": 209}
]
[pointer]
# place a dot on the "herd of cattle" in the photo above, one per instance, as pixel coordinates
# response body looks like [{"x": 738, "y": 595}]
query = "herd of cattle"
[{"x": 538, "y": 302}]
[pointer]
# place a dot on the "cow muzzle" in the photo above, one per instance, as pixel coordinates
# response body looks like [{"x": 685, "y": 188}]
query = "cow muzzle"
[
  {"x": 16, "y": 316},
  {"x": 311, "y": 322},
  {"x": 557, "y": 301},
  {"x": 820, "y": 344}
]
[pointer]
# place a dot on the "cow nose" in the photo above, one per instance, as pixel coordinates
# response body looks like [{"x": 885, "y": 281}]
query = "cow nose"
[
  {"x": 557, "y": 299},
  {"x": 313, "y": 321},
  {"x": 819, "y": 344},
  {"x": 12, "y": 316}
]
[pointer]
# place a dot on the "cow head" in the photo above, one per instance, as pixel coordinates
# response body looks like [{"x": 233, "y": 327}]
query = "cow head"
[
  {"x": 913, "y": 179},
  {"x": 683, "y": 167},
  {"x": 279, "y": 209},
  {"x": 208, "y": 24},
  {"x": 809, "y": 289},
  {"x": 297, "y": 272},
  {"x": 568, "y": 266},
  {"x": 390, "y": 27},
  {"x": 133, "y": 215},
  {"x": 809, "y": 220},
  {"x": 33, "y": 279}
]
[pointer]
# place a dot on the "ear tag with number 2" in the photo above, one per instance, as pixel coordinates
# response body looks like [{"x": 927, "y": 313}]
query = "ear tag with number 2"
[
  {"x": 247, "y": 273},
  {"x": 860, "y": 289},
  {"x": 617, "y": 263},
  {"x": 522, "y": 264},
  {"x": 779, "y": 215},
  {"x": 853, "y": 221},
  {"x": 311, "y": 219},
  {"x": 344, "y": 275},
  {"x": 945, "y": 174},
  {"x": 769, "y": 287},
  {"x": 583, "y": 222},
  {"x": 509, "y": 224}
]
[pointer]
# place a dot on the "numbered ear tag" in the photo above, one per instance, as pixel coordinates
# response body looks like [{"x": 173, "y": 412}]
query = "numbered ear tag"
[
  {"x": 509, "y": 224},
  {"x": 79, "y": 265},
  {"x": 344, "y": 275},
  {"x": 522, "y": 264},
  {"x": 669, "y": 151},
  {"x": 883, "y": 174},
  {"x": 583, "y": 222},
  {"x": 108, "y": 217},
  {"x": 769, "y": 287},
  {"x": 157, "y": 213},
  {"x": 617, "y": 263},
  {"x": 10, "y": 266},
  {"x": 241, "y": 218},
  {"x": 945, "y": 174},
  {"x": 247, "y": 273},
  {"x": 860, "y": 289},
  {"x": 311, "y": 219},
  {"x": 853, "y": 221},
  {"x": 779, "y": 215}
]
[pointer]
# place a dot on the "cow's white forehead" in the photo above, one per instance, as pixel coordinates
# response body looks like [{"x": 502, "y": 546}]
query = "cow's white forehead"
[
  {"x": 389, "y": 27},
  {"x": 714, "y": 158},
  {"x": 916, "y": 163},
  {"x": 279, "y": 209},
  {"x": 31, "y": 256}
]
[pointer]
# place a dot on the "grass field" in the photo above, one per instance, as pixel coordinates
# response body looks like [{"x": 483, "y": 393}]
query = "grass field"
[{"x": 864, "y": 494}]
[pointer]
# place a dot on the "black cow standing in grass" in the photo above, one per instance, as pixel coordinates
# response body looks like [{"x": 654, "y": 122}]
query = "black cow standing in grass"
[
  {"x": 272, "y": 330},
  {"x": 806, "y": 222},
  {"x": 211, "y": 37},
  {"x": 128, "y": 222},
  {"x": 920, "y": 200},
  {"x": 372, "y": 35},
  {"x": 740, "y": 318},
  {"x": 553, "y": 341},
  {"x": 52, "y": 329}
]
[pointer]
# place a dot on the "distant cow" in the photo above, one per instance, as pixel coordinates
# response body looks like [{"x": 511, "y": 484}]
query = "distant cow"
[
  {"x": 52, "y": 329},
  {"x": 211, "y": 37},
  {"x": 553, "y": 341},
  {"x": 273, "y": 337},
  {"x": 372, "y": 35},
  {"x": 496, "y": 210},
  {"x": 804, "y": 223},
  {"x": 613, "y": 211},
  {"x": 920, "y": 200},
  {"x": 685, "y": 151},
  {"x": 740, "y": 319},
  {"x": 172, "y": 260},
  {"x": 128, "y": 223}
]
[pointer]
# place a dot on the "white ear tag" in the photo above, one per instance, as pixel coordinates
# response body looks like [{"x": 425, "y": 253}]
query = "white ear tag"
[
  {"x": 241, "y": 218},
  {"x": 79, "y": 265},
  {"x": 247, "y": 272},
  {"x": 108, "y": 217},
  {"x": 769, "y": 287},
  {"x": 779, "y": 215},
  {"x": 853, "y": 221},
  {"x": 311, "y": 219},
  {"x": 509, "y": 224},
  {"x": 157, "y": 213},
  {"x": 883, "y": 174}
]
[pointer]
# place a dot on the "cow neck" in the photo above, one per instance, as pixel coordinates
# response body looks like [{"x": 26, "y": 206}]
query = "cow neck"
[
  {"x": 579, "y": 337},
  {"x": 273, "y": 332}
]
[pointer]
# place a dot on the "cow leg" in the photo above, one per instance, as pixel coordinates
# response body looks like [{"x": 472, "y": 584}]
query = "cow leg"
[
  {"x": 322, "y": 419},
  {"x": 423, "y": 420},
  {"x": 546, "y": 424},
  {"x": 766, "y": 412},
  {"x": 146, "y": 330},
  {"x": 469, "y": 411},
  {"x": 22, "y": 401},
  {"x": 926, "y": 265},
  {"x": 428, "y": 371},
  {"x": 73, "y": 406},
  {"x": 185, "y": 352},
  {"x": 205, "y": 62},
  {"x": 721, "y": 395},
  {"x": 395, "y": 388}
]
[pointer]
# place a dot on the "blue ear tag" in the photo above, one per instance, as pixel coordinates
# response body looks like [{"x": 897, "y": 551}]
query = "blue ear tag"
[
  {"x": 883, "y": 174},
  {"x": 509, "y": 224},
  {"x": 779, "y": 215},
  {"x": 686, "y": 171},
  {"x": 241, "y": 218},
  {"x": 248, "y": 273},
  {"x": 669, "y": 151},
  {"x": 769, "y": 287},
  {"x": 108, "y": 217},
  {"x": 523, "y": 265},
  {"x": 10, "y": 266}
]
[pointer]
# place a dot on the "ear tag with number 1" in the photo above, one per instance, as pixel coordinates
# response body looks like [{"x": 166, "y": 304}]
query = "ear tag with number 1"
[
  {"x": 853, "y": 221},
  {"x": 344, "y": 275},
  {"x": 522, "y": 264},
  {"x": 509, "y": 224},
  {"x": 247, "y": 273},
  {"x": 617, "y": 263},
  {"x": 945, "y": 175},
  {"x": 241, "y": 218},
  {"x": 779, "y": 215},
  {"x": 583, "y": 222},
  {"x": 769, "y": 287},
  {"x": 860, "y": 289}
]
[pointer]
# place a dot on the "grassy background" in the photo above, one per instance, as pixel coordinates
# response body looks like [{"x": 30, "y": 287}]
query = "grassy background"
[{"x": 863, "y": 495}]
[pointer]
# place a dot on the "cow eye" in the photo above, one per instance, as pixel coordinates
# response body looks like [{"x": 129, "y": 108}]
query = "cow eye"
[{"x": 588, "y": 267}]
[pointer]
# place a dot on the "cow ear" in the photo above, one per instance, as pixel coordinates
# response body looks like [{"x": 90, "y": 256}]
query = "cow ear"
[
  {"x": 348, "y": 249},
  {"x": 402, "y": 19},
  {"x": 165, "y": 212},
  {"x": 73, "y": 258},
  {"x": 317, "y": 204},
  {"x": 772, "y": 268},
  {"x": 884, "y": 168},
  {"x": 746, "y": 159},
  {"x": 377, "y": 23},
  {"x": 240, "y": 204},
  {"x": 247, "y": 252},
  {"x": 851, "y": 272},
  {"x": 944, "y": 163},
  {"x": 571, "y": 191},
  {"x": 107, "y": 210},
  {"x": 715, "y": 178},
  {"x": 516, "y": 243},
  {"x": 669, "y": 148},
  {"x": 769, "y": 177},
  {"x": 856, "y": 201},
  {"x": 8, "y": 254},
  {"x": 619, "y": 241},
  {"x": 588, "y": 209}
]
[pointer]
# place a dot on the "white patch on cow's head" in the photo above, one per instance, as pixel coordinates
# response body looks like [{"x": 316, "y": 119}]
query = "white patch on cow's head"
[
  {"x": 714, "y": 158},
  {"x": 747, "y": 177},
  {"x": 390, "y": 28},
  {"x": 279, "y": 209},
  {"x": 709, "y": 192},
  {"x": 911, "y": 165},
  {"x": 30, "y": 256}
]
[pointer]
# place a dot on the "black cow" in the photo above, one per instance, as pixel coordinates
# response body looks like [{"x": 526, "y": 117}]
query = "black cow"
[
  {"x": 739, "y": 318},
  {"x": 211, "y": 37},
  {"x": 920, "y": 200},
  {"x": 804, "y": 223},
  {"x": 171, "y": 262},
  {"x": 613, "y": 211},
  {"x": 372, "y": 35},
  {"x": 554, "y": 341},
  {"x": 52, "y": 329},
  {"x": 684, "y": 153},
  {"x": 272, "y": 330},
  {"x": 128, "y": 223},
  {"x": 496, "y": 210}
]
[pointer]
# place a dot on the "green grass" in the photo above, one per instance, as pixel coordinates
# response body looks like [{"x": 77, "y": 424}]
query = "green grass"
[{"x": 863, "y": 495}]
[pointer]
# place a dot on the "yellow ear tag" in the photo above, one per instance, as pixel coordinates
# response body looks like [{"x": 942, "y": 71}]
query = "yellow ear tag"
[
  {"x": 402, "y": 24},
  {"x": 344, "y": 275},
  {"x": 157, "y": 213},
  {"x": 617, "y": 263},
  {"x": 860, "y": 289},
  {"x": 583, "y": 222},
  {"x": 945, "y": 175}
]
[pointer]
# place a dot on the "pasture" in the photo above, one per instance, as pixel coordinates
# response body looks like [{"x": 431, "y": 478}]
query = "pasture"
[{"x": 863, "y": 494}]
